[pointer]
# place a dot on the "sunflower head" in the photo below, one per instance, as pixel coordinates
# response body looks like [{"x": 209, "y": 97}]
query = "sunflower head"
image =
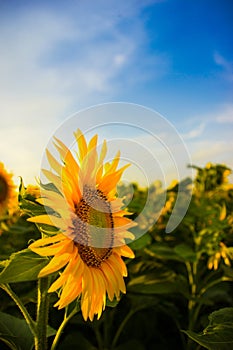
[
  {"x": 32, "y": 191},
  {"x": 8, "y": 195},
  {"x": 92, "y": 227}
]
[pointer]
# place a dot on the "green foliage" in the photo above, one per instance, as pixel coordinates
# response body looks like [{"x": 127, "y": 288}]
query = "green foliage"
[
  {"x": 175, "y": 281},
  {"x": 218, "y": 335},
  {"x": 160, "y": 282},
  {"x": 22, "y": 266},
  {"x": 15, "y": 333}
]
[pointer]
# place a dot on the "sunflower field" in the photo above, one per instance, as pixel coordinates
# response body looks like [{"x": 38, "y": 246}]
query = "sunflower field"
[{"x": 177, "y": 290}]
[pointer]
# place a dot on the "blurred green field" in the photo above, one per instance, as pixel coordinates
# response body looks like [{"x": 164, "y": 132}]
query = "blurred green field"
[{"x": 179, "y": 287}]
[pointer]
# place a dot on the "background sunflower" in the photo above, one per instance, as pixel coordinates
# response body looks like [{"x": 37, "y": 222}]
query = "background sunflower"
[{"x": 8, "y": 194}]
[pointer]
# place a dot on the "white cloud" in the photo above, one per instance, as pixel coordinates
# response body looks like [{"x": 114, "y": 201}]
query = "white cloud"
[
  {"x": 211, "y": 140},
  {"x": 56, "y": 60},
  {"x": 195, "y": 132},
  {"x": 211, "y": 151},
  {"x": 218, "y": 114},
  {"x": 225, "y": 115},
  {"x": 226, "y": 65}
]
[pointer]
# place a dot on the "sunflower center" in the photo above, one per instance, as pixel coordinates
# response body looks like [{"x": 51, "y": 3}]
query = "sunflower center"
[
  {"x": 94, "y": 227},
  {"x": 3, "y": 189}
]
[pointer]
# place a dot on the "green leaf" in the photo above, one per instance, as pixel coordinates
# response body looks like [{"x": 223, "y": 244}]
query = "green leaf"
[
  {"x": 50, "y": 331},
  {"x": 141, "y": 242},
  {"x": 32, "y": 208},
  {"x": 218, "y": 335},
  {"x": 162, "y": 251},
  {"x": 15, "y": 332},
  {"x": 22, "y": 266},
  {"x": 224, "y": 315},
  {"x": 158, "y": 283},
  {"x": 181, "y": 252},
  {"x": 185, "y": 252}
]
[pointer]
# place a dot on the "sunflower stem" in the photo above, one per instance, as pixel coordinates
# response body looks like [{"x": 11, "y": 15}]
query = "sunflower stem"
[
  {"x": 62, "y": 326},
  {"x": 18, "y": 302},
  {"x": 121, "y": 327},
  {"x": 42, "y": 314}
]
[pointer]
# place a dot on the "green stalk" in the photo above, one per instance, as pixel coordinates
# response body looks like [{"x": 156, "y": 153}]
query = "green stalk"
[
  {"x": 18, "y": 302},
  {"x": 62, "y": 326},
  {"x": 192, "y": 305},
  {"x": 191, "y": 284},
  {"x": 192, "y": 273},
  {"x": 121, "y": 327},
  {"x": 99, "y": 338},
  {"x": 213, "y": 283},
  {"x": 42, "y": 314}
]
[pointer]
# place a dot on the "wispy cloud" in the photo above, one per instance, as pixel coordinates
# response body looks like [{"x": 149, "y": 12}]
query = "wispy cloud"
[
  {"x": 226, "y": 115},
  {"x": 57, "y": 59},
  {"x": 210, "y": 140},
  {"x": 195, "y": 132},
  {"x": 225, "y": 64},
  {"x": 211, "y": 151}
]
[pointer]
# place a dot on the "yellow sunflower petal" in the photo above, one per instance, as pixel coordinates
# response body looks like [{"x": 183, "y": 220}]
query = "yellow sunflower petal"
[
  {"x": 86, "y": 293},
  {"x": 65, "y": 274},
  {"x": 53, "y": 196},
  {"x": 116, "y": 205},
  {"x": 96, "y": 297},
  {"x": 66, "y": 155},
  {"x": 68, "y": 298},
  {"x": 125, "y": 251},
  {"x": 53, "y": 249},
  {"x": 70, "y": 186},
  {"x": 123, "y": 223},
  {"x": 121, "y": 264},
  {"x": 99, "y": 296},
  {"x": 82, "y": 145},
  {"x": 59, "y": 204},
  {"x": 125, "y": 235},
  {"x": 48, "y": 220},
  {"x": 69, "y": 172},
  {"x": 112, "y": 282},
  {"x": 103, "y": 153},
  {"x": 111, "y": 167},
  {"x": 48, "y": 240},
  {"x": 99, "y": 173},
  {"x": 88, "y": 168},
  {"x": 53, "y": 162},
  {"x": 73, "y": 286},
  {"x": 58, "y": 283},
  {"x": 56, "y": 180},
  {"x": 110, "y": 181},
  {"x": 116, "y": 267},
  {"x": 55, "y": 264},
  {"x": 92, "y": 144}
]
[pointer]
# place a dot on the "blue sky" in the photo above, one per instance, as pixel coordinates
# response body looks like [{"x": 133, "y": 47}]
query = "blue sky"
[{"x": 173, "y": 56}]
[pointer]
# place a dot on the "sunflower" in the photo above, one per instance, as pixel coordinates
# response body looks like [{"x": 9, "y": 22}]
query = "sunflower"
[
  {"x": 8, "y": 195},
  {"x": 88, "y": 247},
  {"x": 32, "y": 191}
]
